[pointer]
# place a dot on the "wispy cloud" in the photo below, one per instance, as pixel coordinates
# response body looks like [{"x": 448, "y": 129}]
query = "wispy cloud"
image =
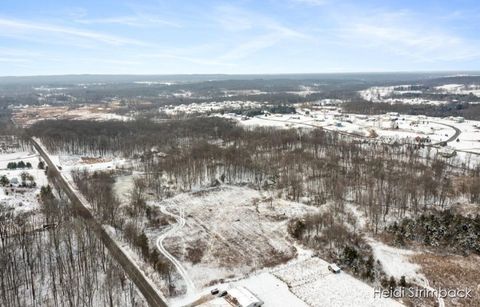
[
  {"x": 404, "y": 33},
  {"x": 22, "y": 29},
  {"x": 263, "y": 31},
  {"x": 133, "y": 21}
]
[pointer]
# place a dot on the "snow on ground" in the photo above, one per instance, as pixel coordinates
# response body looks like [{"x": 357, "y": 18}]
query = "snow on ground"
[
  {"x": 469, "y": 139},
  {"x": 301, "y": 282},
  {"x": 304, "y": 91},
  {"x": 312, "y": 282},
  {"x": 148, "y": 271},
  {"x": 271, "y": 290},
  {"x": 387, "y": 127},
  {"x": 71, "y": 162},
  {"x": 231, "y": 93},
  {"x": 461, "y": 89},
  {"x": 236, "y": 229},
  {"x": 386, "y": 93},
  {"x": 409, "y": 127},
  {"x": 396, "y": 262},
  {"x": 241, "y": 230},
  {"x": 414, "y": 101},
  {"x": 382, "y": 94},
  {"x": 123, "y": 186},
  {"x": 19, "y": 199}
]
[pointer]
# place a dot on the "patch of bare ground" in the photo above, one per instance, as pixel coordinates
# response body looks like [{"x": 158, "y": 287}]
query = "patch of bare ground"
[
  {"x": 419, "y": 301},
  {"x": 452, "y": 272}
]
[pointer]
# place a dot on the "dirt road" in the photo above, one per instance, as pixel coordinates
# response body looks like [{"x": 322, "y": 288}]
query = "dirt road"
[{"x": 181, "y": 270}]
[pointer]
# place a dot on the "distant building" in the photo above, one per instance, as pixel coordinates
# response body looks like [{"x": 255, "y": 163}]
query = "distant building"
[{"x": 14, "y": 181}]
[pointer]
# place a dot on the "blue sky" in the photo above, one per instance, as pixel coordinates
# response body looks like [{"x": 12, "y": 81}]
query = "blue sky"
[{"x": 244, "y": 36}]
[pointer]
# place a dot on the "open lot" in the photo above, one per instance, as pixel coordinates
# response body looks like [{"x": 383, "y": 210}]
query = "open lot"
[
  {"x": 27, "y": 116},
  {"x": 237, "y": 236},
  {"x": 229, "y": 232}
]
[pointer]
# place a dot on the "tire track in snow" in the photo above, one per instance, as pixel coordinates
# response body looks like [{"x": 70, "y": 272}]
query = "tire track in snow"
[
  {"x": 426, "y": 285},
  {"x": 181, "y": 270}
]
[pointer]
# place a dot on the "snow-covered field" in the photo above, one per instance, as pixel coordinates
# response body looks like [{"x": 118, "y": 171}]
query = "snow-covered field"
[
  {"x": 461, "y": 89},
  {"x": 236, "y": 229},
  {"x": 385, "y": 93},
  {"x": 306, "y": 282},
  {"x": 15, "y": 198},
  {"x": 384, "y": 128},
  {"x": 409, "y": 127},
  {"x": 396, "y": 262},
  {"x": 92, "y": 164},
  {"x": 311, "y": 281},
  {"x": 240, "y": 231}
]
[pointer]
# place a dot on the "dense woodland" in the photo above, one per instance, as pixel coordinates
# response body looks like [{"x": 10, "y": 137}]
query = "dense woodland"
[
  {"x": 53, "y": 259},
  {"x": 128, "y": 220},
  {"x": 443, "y": 230},
  {"x": 312, "y": 166},
  {"x": 312, "y": 163},
  {"x": 403, "y": 191}
]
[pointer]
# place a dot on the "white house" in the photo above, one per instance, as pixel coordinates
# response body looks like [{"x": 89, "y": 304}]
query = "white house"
[
  {"x": 241, "y": 296},
  {"x": 234, "y": 297},
  {"x": 14, "y": 181}
]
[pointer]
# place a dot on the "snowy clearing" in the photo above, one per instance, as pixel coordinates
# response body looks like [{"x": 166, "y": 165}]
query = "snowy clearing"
[
  {"x": 396, "y": 262},
  {"x": 235, "y": 230}
]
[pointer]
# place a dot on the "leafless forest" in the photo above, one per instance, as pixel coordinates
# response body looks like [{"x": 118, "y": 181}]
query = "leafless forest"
[
  {"x": 53, "y": 259},
  {"x": 388, "y": 183}
]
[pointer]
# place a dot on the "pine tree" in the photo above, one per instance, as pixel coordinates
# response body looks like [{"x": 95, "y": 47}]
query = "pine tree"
[
  {"x": 142, "y": 242},
  {"x": 4, "y": 180}
]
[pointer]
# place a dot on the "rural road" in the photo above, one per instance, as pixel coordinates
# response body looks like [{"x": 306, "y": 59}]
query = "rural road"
[
  {"x": 144, "y": 285},
  {"x": 453, "y": 137},
  {"x": 179, "y": 225}
]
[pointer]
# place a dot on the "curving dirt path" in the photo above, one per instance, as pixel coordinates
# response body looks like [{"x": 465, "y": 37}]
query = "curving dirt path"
[
  {"x": 181, "y": 270},
  {"x": 426, "y": 285}
]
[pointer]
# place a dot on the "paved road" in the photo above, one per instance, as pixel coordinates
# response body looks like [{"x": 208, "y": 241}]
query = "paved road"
[
  {"x": 453, "y": 137},
  {"x": 450, "y": 139},
  {"x": 152, "y": 296}
]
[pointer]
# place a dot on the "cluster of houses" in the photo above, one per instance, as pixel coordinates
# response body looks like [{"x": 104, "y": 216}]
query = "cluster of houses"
[{"x": 27, "y": 181}]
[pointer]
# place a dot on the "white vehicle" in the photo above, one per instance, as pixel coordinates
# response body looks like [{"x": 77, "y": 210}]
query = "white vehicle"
[{"x": 334, "y": 268}]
